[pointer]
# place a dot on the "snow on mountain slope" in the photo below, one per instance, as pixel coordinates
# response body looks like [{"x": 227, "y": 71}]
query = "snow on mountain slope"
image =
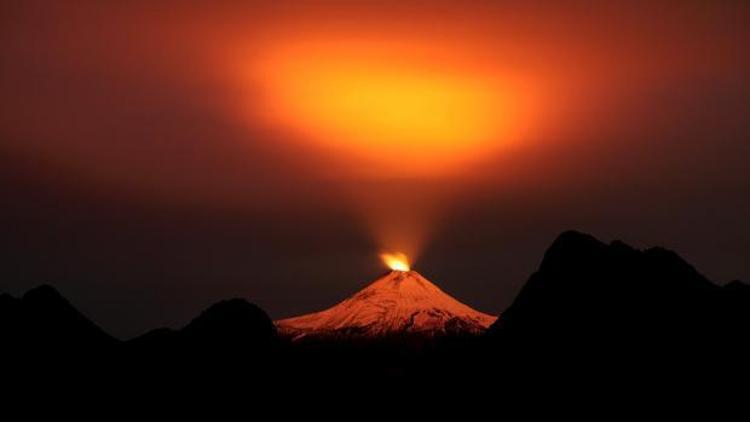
[{"x": 399, "y": 302}]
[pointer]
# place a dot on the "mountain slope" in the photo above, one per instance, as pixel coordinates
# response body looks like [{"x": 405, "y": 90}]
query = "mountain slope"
[
  {"x": 588, "y": 289},
  {"x": 44, "y": 321},
  {"x": 399, "y": 302},
  {"x": 233, "y": 333}
]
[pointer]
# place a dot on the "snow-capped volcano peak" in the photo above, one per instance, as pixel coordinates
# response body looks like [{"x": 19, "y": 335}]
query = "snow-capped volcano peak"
[{"x": 398, "y": 302}]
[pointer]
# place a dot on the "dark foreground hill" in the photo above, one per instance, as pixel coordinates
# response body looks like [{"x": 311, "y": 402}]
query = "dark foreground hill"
[
  {"x": 43, "y": 322},
  {"x": 589, "y": 291},
  {"x": 607, "y": 314},
  {"x": 596, "y": 311}
]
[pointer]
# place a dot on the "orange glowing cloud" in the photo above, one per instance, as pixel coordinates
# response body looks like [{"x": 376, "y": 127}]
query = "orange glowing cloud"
[
  {"x": 391, "y": 107},
  {"x": 396, "y": 114},
  {"x": 383, "y": 101}
]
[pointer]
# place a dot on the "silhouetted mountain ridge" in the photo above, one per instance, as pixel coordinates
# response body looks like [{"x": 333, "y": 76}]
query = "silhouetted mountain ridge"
[
  {"x": 228, "y": 326},
  {"x": 591, "y": 307},
  {"x": 43, "y": 321},
  {"x": 586, "y": 290}
]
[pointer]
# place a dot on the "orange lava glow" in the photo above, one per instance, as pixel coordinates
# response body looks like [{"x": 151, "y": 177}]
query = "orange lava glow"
[
  {"x": 409, "y": 108},
  {"x": 396, "y": 261}
]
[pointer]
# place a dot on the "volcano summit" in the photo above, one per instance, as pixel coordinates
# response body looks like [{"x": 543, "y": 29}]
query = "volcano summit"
[{"x": 401, "y": 302}]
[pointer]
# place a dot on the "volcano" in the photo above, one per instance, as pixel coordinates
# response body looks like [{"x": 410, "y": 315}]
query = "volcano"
[{"x": 400, "y": 302}]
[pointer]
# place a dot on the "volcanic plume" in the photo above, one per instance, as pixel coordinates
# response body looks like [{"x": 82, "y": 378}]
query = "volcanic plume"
[{"x": 400, "y": 302}]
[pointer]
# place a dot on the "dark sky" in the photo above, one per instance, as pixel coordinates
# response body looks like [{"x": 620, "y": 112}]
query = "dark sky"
[{"x": 143, "y": 177}]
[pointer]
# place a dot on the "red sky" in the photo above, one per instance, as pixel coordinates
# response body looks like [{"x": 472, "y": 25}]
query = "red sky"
[{"x": 176, "y": 153}]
